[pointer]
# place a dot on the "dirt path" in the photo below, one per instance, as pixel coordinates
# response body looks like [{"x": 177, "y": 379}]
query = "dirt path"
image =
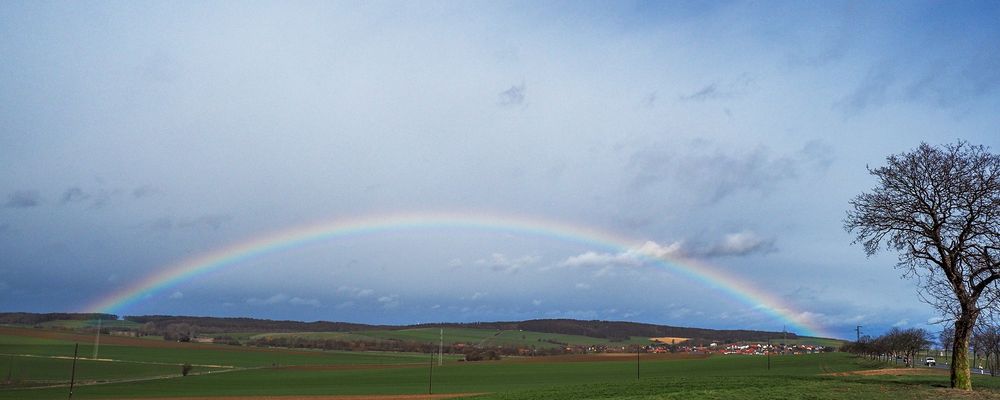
[{"x": 892, "y": 371}]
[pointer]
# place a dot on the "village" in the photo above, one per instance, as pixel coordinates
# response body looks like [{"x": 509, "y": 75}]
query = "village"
[{"x": 676, "y": 345}]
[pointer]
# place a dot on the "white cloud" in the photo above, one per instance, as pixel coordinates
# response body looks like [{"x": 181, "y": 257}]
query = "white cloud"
[
  {"x": 304, "y": 302},
  {"x": 275, "y": 299},
  {"x": 176, "y": 295},
  {"x": 282, "y": 298},
  {"x": 355, "y": 292},
  {"x": 499, "y": 262},
  {"x": 632, "y": 257},
  {"x": 390, "y": 301},
  {"x": 741, "y": 243},
  {"x": 582, "y": 286},
  {"x": 733, "y": 244}
]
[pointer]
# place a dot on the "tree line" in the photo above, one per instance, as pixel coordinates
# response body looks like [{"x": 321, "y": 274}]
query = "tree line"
[{"x": 896, "y": 344}]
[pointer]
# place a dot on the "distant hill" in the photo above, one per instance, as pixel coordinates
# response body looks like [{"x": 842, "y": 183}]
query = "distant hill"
[
  {"x": 619, "y": 330},
  {"x": 23, "y": 318},
  {"x": 611, "y": 330},
  {"x": 218, "y": 324}
]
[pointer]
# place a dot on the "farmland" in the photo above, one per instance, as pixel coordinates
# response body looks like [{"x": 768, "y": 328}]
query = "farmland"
[{"x": 136, "y": 368}]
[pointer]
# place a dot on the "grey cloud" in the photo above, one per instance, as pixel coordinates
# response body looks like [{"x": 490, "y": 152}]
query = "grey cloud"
[
  {"x": 721, "y": 90},
  {"x": 944, "y": 82},
  {"x": 298, "y": 301},
  {"x": 947, "y": 83},
  {"x": 817, "y": 153},
  {"x": 282, "y": 298},
  {"x": 872, "y": 91},
  {"x": 729, "y": 245},
  {"x": 144, "y": 191},
  {"x": 73, "y": 195},
  {"x": 513, "y": 96},
  {"x": 23, "y": 199},
  {"x": 355, "y": 292},
  {"x": 275, "y": 299},
  {"x": 213, "y": 221},
  {"x": 708, "y": 92},
  {"x": 390, "y": 301},
  {"x": 650, "y": 100},
  {"x": 160, "y": 224},
  {"x": 501, "y": 263},
  {"x": 711, "y": 174}
]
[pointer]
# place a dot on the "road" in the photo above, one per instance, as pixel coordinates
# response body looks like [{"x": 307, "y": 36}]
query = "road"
[{"x": 975, "y": 371}]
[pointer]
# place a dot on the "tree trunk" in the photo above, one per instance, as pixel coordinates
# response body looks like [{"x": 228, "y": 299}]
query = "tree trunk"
[{"x": 961, "y": 374}]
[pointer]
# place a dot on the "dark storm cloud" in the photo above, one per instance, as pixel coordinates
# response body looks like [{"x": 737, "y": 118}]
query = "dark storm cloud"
[
  {"x": 23, "y": 199},
  {"x": 513, "y": 96}
]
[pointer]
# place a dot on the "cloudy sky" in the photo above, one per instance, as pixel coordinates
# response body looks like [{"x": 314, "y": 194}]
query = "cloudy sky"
[{"x": 134, "y": 136}]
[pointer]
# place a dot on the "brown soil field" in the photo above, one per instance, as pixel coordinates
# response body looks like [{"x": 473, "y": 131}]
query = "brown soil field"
[
  {"x": 670, "y": 340},
  {"x": 894, "y": 371},
  {"x": 611, "y": 357}
]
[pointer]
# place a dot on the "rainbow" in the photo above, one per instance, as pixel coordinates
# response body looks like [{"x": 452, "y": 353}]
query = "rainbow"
[{"x": 231, "y": 256}]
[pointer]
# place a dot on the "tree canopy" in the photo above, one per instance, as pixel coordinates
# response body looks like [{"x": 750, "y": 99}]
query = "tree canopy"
[{"x": 938, "y": 207}]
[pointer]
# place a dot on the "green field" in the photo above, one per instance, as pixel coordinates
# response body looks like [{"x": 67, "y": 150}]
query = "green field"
[{"x": 136, "y": 368}]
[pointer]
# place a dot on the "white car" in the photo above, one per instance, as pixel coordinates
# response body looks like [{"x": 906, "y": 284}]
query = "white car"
[{"x": 930, "y": 361}]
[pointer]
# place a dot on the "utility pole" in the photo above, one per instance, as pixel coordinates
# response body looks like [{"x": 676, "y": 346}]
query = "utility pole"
[
  {"x": 430, "y": 375},
  {"x": 768, "y": 354},
  {"x": 637, "y": 349},
  {"x": 97, "y": 339},
  {"x": 441, "y": 349},
  {"x": 72, "y": 376}
]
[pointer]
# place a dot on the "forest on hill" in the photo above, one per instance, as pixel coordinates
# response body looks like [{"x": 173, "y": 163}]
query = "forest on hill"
[{"x": 611, "y": 330}]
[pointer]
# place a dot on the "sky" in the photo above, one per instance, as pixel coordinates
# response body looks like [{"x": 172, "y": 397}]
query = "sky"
[{"x": 728, "y": 135}]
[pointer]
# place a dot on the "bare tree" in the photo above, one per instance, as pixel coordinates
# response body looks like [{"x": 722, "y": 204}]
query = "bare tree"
[
  {"x": 947, "y": 337},
  {"x": 939, "y": 208}
]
